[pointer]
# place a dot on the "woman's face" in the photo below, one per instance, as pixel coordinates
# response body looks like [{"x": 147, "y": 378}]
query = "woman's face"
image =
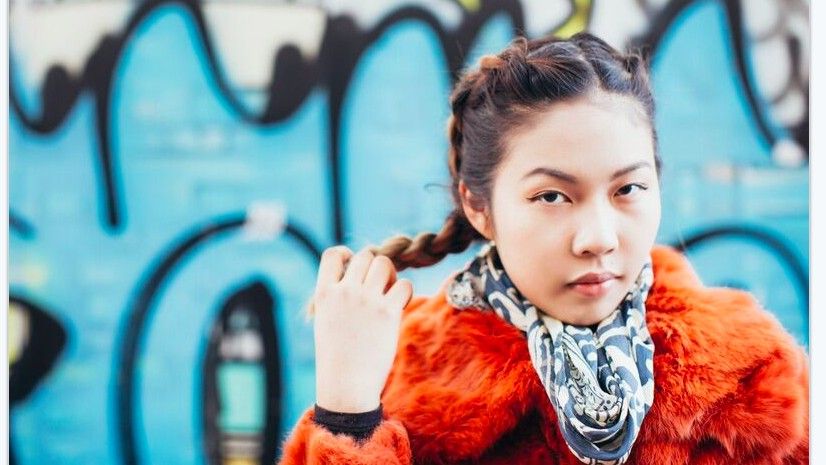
[{"x": 576, "y": 193}]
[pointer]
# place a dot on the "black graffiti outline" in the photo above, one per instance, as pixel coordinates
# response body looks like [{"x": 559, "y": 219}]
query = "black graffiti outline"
[
  {"x": 660, "y": 24},
  {"x": 142, "y": 303},
  {"x": 254, "y": 292},
  {"x": 341, "y": 48},
  {"x": 29, "y": 370},
  {"x": 20, "y": 226},
  {"x": 333, "y": 68},
  {"x": 762, "y": 236}
]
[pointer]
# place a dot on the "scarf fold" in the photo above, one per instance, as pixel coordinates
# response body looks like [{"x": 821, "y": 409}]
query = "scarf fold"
[{"x": 600, "y": 382}]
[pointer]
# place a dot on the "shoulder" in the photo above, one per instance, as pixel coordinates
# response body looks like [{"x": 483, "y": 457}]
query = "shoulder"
[
  {"x": 441, "y": 341},
  {"x": 691, "y": 319},
  {"x": 727, "y": 374}
]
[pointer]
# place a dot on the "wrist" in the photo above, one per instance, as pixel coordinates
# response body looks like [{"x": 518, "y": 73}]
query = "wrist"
[{"x": 344, "y": 396}]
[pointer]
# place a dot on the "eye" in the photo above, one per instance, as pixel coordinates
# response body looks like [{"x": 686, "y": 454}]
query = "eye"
[
  {"x": 629, "y": 188},
  {"x": 553, "y": 197}
]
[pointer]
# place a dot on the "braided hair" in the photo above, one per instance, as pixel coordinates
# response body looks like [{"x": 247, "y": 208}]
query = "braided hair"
[{"x": 501, "y": 95}]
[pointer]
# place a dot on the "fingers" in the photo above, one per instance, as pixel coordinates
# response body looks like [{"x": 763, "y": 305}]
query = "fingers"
[
  {"x": 392, "y": 279},
  {"x": 340, "y": 264},
  {"x": 381, "y": 275},
  {"x": 358, "y": 266},
  {"x": 332, "y": 266},
  {"x": 399, "y": 295}
]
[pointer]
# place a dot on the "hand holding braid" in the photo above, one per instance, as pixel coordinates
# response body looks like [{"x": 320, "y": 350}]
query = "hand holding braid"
[{"x": 357, "y": 311}]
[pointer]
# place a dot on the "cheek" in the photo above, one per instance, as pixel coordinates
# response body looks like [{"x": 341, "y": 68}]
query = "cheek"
[
  {"x": 651, "y": 220},
  {"x": 535, "y": 245},
  {"x": 531, "y": 229},
  {"x": 529, "y": 240},
  {"x": 645, "y": 216},
  {"x": 513, "y": 220},
  {"x": 641, "y": 231}
]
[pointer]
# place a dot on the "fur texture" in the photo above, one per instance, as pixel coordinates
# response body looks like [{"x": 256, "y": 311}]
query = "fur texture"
[{"x": 731, "y": 386}]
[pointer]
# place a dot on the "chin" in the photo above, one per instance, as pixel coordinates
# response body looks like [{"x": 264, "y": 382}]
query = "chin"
[
  {"x": 588, "y": 321},
  {"x": 581, "y": 318},
  {"x": 591, "y": 317},
  {"x": 578, "y": 313}
]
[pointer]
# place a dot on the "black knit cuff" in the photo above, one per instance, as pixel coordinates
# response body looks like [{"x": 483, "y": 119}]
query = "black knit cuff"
[{"x": 357, "y": 425}]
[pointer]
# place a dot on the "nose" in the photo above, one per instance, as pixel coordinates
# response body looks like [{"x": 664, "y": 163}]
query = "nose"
[{"x": 596, "y": 233}]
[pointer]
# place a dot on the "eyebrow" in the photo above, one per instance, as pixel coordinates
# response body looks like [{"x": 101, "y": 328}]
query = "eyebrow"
[{"x": 571, "y": 179}]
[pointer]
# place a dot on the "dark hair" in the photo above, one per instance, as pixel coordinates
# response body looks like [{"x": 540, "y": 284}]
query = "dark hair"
[{"x": 488, "y": 103}]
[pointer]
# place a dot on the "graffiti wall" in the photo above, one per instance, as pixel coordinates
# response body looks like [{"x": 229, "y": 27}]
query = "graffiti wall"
[{"x": 177, "y": 167}]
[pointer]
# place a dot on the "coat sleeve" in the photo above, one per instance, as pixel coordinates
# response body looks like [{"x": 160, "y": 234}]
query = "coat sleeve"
[
  {"x": 310, "y": 443},
  {"x": 766, "y": 420}
]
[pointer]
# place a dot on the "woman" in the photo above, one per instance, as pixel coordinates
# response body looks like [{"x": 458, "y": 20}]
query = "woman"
[{"x": 571, "y": 337}]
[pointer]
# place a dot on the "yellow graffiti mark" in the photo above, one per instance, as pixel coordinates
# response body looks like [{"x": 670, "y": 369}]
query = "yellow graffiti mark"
[
  {"x": 240, "y": 461},
  {"x": 17, "y": 332},
  {"x": 32, "y": 274},
  {"x": 471, "y": 5},
  {"x": 577, "y": 21}
]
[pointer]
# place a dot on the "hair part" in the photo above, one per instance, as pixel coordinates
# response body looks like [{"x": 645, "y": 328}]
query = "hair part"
[{"x": 500, "y": 96}]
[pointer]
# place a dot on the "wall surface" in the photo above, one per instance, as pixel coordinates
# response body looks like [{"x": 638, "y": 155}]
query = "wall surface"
[{"x": 176, "y": 168}]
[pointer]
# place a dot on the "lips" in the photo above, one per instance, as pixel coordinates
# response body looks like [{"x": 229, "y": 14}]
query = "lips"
[
  {"x": 594, "y": 278},
  {"x": 593, "y": 285}
]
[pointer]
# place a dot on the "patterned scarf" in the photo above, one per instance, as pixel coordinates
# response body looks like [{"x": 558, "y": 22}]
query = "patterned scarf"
[{"x": 601, "y": 383}]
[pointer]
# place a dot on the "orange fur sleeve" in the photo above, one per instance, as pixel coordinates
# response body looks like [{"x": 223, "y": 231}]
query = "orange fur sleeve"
[{"x": 310, "y": 443}]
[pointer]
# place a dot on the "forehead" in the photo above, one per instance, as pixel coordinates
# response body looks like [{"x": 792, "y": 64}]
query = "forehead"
[{"x": 589, "y": 137}]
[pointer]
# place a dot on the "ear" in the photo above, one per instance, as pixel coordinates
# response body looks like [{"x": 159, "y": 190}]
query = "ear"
[{"x": 479, "y": 218}]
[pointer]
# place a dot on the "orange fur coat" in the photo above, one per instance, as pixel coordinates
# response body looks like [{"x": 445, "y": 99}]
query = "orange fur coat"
[{"x": 731, "y": 386}]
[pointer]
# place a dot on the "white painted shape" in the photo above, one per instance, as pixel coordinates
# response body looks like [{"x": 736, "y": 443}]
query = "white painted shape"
[
  {"x": 544, "y": 16},
  {"x": 617, "y": 21},
  {"x": 66, "y": 33},
  {"x": 772, "y": 66},
  {"x": 247, "y": 37},
  {"x": 368, "y": 14},
  {"x": 246, "y": 345},
  {"x": 790, "y": 109},
  {"x": 788, "y": 154},
  {"x": 759, "y": 16},
  {"x": 265, "y": 220}
]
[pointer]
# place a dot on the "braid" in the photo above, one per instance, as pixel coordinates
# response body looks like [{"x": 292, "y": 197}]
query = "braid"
[
  {"x": 428, "y": 248},
  {"x": 454, "y": 135},
  {"x": 467, "y": 93}
]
